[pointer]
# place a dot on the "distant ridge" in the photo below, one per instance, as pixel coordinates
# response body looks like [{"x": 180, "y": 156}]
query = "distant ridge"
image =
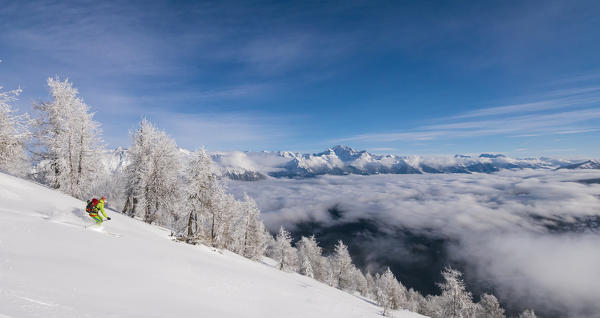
[
  {"x": 589, "y": 164},
  {"x": 344, "y": 160}
]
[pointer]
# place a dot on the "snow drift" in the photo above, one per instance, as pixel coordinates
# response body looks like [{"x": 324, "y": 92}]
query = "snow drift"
[{"x": 52, "y": 265}]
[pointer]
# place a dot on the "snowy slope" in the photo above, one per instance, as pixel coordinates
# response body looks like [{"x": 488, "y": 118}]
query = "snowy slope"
[{"x": 51, "y": 266}]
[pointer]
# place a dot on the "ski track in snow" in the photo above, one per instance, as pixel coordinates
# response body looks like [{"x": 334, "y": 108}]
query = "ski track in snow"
[{"x": 39, "y": 302}]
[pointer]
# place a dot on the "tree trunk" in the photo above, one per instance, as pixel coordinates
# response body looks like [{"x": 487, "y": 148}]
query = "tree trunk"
[
  {"x": 79, "y": 163},
  {"x": 56, "y": 184},
  {"x": 246, "y": 237},
  {"x": 191, "y": 222},
  {"x": 212, "y": 230},
  {"x": 134, "y": 206},
  {"x": 126, "y": 207}
]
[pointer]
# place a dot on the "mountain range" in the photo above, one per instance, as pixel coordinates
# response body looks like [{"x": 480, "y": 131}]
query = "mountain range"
[{"x": 343, "y": 160}]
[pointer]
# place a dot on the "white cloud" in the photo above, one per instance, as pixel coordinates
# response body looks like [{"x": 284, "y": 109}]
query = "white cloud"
[
  {"x": 488, "y": 215},
  {"x": 532, "y": 107},
  {"x": 222, "y": 131},
  {"x": 565, "y": 122}
]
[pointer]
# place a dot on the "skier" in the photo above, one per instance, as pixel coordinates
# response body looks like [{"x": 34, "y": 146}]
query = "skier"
[{"x": 94, "y": 206}]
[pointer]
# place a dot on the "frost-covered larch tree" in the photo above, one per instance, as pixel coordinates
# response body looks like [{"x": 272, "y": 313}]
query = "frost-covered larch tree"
[
  {"x": 432, "y": 307},
  {"x": 390, "y": 294},
  {"x": 528, "y": 314},
  {"x": 202, "y": 191},
  {"x": 217, "y": 218},
  {"x": 236, "y": 226},
  {"x": 152, "y": 175},
  {"x": 212, "y": 212},
  {"x": 69, "y": 141},
  {"x": 254, "y": 234},
  {"x": 221, "y": 221},
  {"x": 342, "y": 266},
  {"x": 286, "y": 254},
  {"x": 413, "y": 300},
  {"x": 359, "y": 282},
  {"x": 455, "y": 301},
  {"x": 14, "y": 135},
  {"x": 305, "y": 267},
  {"x": 311, "y": 260},
  {"x": 370, "y": 285},
  {"x": 489, "y": 307}
]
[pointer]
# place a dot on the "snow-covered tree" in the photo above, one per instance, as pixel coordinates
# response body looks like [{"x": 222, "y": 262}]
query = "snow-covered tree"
[
  {"x": 69, "y": 141},
  {"x": 431, "y": 306},
  {"x": 305, "y": 266},
  {"x": 390, "y": 294},
  {"x": 342, "y": 266},
  {"x": 112, "y": 185},
  {"x": 14, "y": 135},
  {"x": 254, "y": 240},
  {"x": 455, "y": 300},
  {"x": 232, "y": 225},
  {"x": 311, "y": 260},
  {"x": 199, "y": 193},
  {"x": 204, "y": 199},
  {"x": 413, "y": 300},
  {"x": 152, "y": 187},
  {"x": 217, "y": 218},
  {"x": 286, "y": 254},
  {"x": 528, "y": 313},
  {"x": 359, "y": 282},
  {"x": 370, "y": 285},
  {"x": 489, "y": 307},
  {"x": 330, "y": 273},
  {"x": 271, "y": 249}
]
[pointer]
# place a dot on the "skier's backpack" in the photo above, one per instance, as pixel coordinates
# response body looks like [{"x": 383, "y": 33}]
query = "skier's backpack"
[{"x": 91, "y": 205}]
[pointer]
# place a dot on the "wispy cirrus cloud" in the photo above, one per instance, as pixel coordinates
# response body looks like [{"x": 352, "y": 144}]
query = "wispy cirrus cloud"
[
  {"x": 573, "y": 122},
  {"x": 574, "y": 111},
  {"x": 550, "y": 104},
  {"x": 582, "y": 77}
]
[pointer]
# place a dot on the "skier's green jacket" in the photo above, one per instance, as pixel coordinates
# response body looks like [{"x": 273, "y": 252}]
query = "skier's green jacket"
[{"x": 99, "y": 207}]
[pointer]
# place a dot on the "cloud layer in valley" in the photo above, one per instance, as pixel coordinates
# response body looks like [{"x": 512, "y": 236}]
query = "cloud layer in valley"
[{"x": 530, "y": 236}]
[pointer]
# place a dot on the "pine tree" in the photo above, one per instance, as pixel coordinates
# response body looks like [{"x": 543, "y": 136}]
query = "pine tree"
[
  {"x": 489, "y": 307},
  {"x": 14, "y": 135},
  {"x": 69, "y": 141}
]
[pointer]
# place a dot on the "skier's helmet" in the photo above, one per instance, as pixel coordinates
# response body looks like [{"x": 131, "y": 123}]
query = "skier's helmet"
[{"x": 103, "y": 199}]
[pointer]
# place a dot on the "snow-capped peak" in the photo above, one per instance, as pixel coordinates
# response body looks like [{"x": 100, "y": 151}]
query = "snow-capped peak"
[{"x": 342, "y": 160}]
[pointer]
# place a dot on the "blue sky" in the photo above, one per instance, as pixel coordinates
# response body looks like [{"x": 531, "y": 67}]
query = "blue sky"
[{"x": 421, "y": 77}]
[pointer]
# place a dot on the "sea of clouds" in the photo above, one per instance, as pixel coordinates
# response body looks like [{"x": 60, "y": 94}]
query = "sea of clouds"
[{"x": 532, "y": 235}]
